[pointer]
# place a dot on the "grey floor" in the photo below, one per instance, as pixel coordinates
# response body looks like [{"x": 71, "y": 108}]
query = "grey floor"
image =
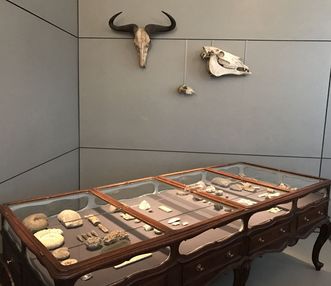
[{"x": 289, "y": 268}]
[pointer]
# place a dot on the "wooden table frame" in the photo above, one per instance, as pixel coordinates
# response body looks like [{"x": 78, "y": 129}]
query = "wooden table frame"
[{"x": 291, "y": 229}]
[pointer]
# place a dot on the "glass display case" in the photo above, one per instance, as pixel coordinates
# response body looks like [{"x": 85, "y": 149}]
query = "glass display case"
[{"x": 156, "y": 228}]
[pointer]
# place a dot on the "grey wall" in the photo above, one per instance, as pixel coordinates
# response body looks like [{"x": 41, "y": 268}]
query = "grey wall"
[
  {"x": 133, "y": 123},
  {"x": 38, "y": 98}
]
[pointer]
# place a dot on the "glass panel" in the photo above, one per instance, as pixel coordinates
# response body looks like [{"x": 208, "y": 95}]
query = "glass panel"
[
  {"x": 210, "y": 236},
  {"x": 277, "y": 178},
  {"x": 86, "y": 225},
  {"x": 244, "y": 193},
  {"x": 171, "y": 206},
  {"x": 312, "y": 198}
]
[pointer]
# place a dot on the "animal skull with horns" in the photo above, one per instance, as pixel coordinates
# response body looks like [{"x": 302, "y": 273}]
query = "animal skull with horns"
[{"x": 142, "y": 35}]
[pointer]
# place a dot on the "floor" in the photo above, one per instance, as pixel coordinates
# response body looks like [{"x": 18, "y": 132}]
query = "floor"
[{"x": 290, "y": 268}]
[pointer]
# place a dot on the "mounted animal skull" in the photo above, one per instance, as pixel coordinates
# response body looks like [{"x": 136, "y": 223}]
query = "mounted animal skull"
[
  {"x": 223, "y": 63},
  {"x": 142, "y": 35}
]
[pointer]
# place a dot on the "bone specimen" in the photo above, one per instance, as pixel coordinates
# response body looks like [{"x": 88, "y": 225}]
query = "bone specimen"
[
  {"x": 274, "y": 210},
  {"x": 70, "y": 218},
  {"x": 142, "y": 35},
  {"x": 36, "y": 222},
  {"x": 197, "y": 199},
  {"x": 156, "y": 231},
  {"x": 147, "y": 227},
  {"x": 61, "y": 253},
  {"x": 199, "y": 184},
  {"x": 165, "y": 209},
  {"x": 185, "y": 89},
  {"x": 269, "y": 195},
  {"x": 127, "y": 216},
  {"x": 174, "y": 219},
  {"x": 219, "y": 193},
  {"x": 204, "y": 201},
  {"x": 84, "y": 235},
  {"x": 69, "y": 261},
  {"x": 94, "y": 233},
  {"x": 182, "y": 193},
  {"x": 113, "y": 209},
  {"x": 115, "y": 236},
  {"x": 144, "y": 205},
  {"x": 210, "y": 189},
  {"x": 246, "y": 202},
  {"x": 93, "y": 243},
  {"x": 222, "y": 182},
  {"x": 176, "y": 223},
  {"x": 103, "y": 228},
  {"x": 86, "y": 277},
  {"x": 137, "y": 220},
  {"x": 80, "y": 237},
  {"x": 93, "y": 219},
  {"x": 133, "y": 260},
  {"x": 184, "y": 223},
  {"x": 237, "y": 187},
  {"x": 51, "y": 238},
  {"x": 223, "y": 63},
  {"x": 227, "y": 209}
]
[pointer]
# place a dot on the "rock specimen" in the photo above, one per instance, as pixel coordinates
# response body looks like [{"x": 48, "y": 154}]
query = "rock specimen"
[
  {"x": 144, "y": 205},
  {"x": 61, "y": 253},
  {"x": 103, "y": 228},
  {"x": 93, "y": 243},
  {"x": 218, "y": 206},
  {"x": 70, "y": 218},
  {"x": 165, "y": 209},
  {"x": 36, "y": 222},
  {"x": 115, "y": 236},
  {"x": 222, "y": 182},
  {"x": 69, "y": 261},
  {"x": 185, "y": 89},
  {"x": 93, "y": 219},
  {"x": 147, "y": 227},
  {"x": 51, "y": 238}
]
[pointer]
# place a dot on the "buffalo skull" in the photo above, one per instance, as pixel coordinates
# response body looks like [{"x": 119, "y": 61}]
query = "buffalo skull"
[{"x": 142, "y": 35}]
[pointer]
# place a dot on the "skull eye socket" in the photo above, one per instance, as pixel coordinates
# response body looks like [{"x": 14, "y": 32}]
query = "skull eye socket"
[
  {"x": 241, "y": 69},
  {"x": 221, "y": 54}
]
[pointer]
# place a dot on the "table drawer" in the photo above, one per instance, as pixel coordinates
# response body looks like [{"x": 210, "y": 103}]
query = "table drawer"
[
  {"x": 211, "y": 262},
  {"x": 312, "y": 215},
  {"x": 264, "y": 238}
]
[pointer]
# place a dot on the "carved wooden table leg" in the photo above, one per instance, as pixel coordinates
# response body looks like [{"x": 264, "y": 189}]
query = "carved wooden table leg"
[
  {"x": 241, "y": 274},
  {"x": 325, "y": 232}
]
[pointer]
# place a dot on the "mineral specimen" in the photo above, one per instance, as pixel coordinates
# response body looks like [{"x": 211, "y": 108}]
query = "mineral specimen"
[
  {"x": 70, "y": 218},
  {"x": 61, "y": 253},
  {"x": 36, "y": 222},
  {"x": 51, "y": 238}
]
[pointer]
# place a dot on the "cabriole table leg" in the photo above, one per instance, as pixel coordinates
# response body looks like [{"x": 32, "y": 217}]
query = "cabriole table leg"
[
  {"x": 241, "y": 274},
  {"x": 325, "y": 232}
]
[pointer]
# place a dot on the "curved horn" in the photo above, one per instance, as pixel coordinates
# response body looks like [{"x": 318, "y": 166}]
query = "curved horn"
[
  {"x": 130, "y": 28},
  {"x": 152, "y": 28}
]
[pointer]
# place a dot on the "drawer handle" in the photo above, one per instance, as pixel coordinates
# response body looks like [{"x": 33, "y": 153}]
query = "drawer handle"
[
  {"x": 320, "y": 213},
  {"x": 229, "y": 254},
  {"x": 306, "y": 219},
  {"x": 261, "y": 240},
  {"x": 199, "y": 268},
  {"x": 282, "y": 230},
  {"x": 9, "y": 261}
]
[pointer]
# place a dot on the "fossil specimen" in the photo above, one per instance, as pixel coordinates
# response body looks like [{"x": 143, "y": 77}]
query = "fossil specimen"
[
  {"x": 144, "y": 205},
  {"x": 147, "y": 227},
  {"x": 246, "y": 202},
  {"x": 70, "y": 218},
  {"x": 93, "y": 219},
  {"x": 133, "y": 260},
  {"x": 222, "y": 182},
  {"x": 199, "y": 184},
  {"x": 237, "y": 187},
  {"x": 185, "y": 89},
  {"x": 142, "y": 39},
  {"x": 51, "y": 238},
  {"x": 69, "y": 261},
  {"x": 61, "y": 253},
  {"x": 115, "y": 236},
  {"x": 157, "y": 231},
  {"x": 103, "y": 228},
  {"x": 184, "y": 223},
  {"x": 223, "y": 63},
  {"x": 36, "y": 222},
  {"x": 93, "y": 243},
  {"x": 174, "y": 219},
  {"x": 165, "y": 209},
  {"x": 210, "y": 189}
]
